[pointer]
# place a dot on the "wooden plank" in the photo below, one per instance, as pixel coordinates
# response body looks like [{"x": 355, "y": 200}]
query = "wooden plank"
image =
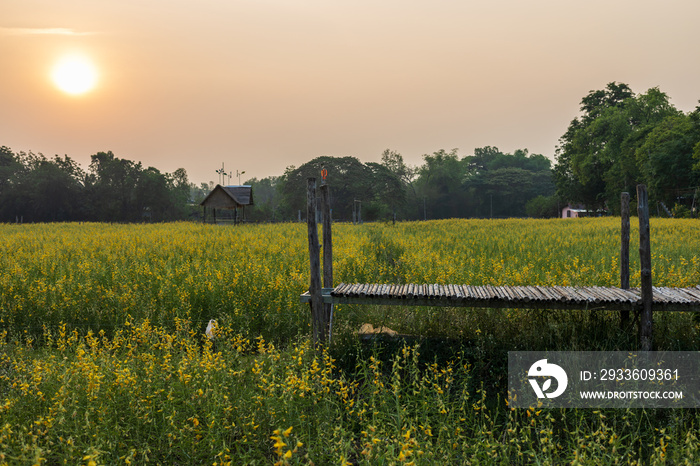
[
  {"x": 694, "y": 293},
  {"x": 672, "y": 294},
  {"x": 532, "y": 293},
  {"x": 505, "y": 293},
  {"x": 660, "y": 295},
  {"x": 338, "y": 289},
  {"x": 515, "y": 292},
  {"x": 362, "y": 290},
  {"x": 558, "y": 294},
  {"x": 587, "y": 295},
  {"x": 566, "y": 295},
  {"x": 617, "y": 295},
  {"x": 543, "y": 293},
  {"x": 593, "y": 296},
  {"x": 547, "y": 293},
  {"x": 386, "y": 291},
  {"x": 522, "y": 294},
  {"x": 605, "y": 294},
  {"x": 620, "y": 295}
]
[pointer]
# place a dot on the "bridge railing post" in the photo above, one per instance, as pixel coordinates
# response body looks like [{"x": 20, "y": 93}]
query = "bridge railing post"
[
  {"x": 645, "y": 318},
  {"x": 327, "y": 256},
  {"x": 318, "y": 322},
  {"x": 624, "y": 252}
]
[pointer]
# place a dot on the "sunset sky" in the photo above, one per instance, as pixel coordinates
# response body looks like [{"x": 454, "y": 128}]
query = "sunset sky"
[{"x": 264, "y": 84}]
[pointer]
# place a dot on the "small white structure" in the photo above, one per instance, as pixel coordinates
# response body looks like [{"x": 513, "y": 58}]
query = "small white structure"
[
  {"x": 211, "y": 330},
  {"x": 574, "y": 212}
]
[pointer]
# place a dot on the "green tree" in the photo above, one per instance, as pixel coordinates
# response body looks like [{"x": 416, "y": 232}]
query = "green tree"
[
  {"x": 349, "y": 179},
  {"x": 393, "y": 161},
  {"x": 666, "y": 158},
  {"x": 56, "y": 190},
  {"x": 596, "y": 158},
  {"x": 267, "y": 199},
  {"x": 439, "y": 184},
  {"x": 38, "y": 189},
  {"x": 152, "y": 197},
  {"x": 389, "y": 192},
  {"x": 111, "y": 185},
  {"x": 500, "y": 184},
  {"x": 543, "y": 207},
  {"x": 121, "y": 190},
  {"x": 10, "y": 168}
]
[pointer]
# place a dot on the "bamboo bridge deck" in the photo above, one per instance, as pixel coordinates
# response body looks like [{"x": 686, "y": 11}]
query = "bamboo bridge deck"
[{"x": 523, "y": 297}]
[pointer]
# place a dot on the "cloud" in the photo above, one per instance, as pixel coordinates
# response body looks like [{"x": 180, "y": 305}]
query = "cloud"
[{"x": 41, "y": 31}]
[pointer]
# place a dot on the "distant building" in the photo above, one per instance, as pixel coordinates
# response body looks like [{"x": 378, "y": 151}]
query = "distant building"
[
  {"x": 574, "y": 212},
  {"x": 228, "y": 202}
]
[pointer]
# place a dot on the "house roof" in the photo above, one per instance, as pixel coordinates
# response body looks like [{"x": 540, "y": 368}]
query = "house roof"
[{"x": 229, "y": 196}]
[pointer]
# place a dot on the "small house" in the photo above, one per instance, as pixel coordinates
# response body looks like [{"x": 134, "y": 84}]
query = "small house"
[
  {"x": 226, "y": 203},
  {"x": 574, "y": 212}
]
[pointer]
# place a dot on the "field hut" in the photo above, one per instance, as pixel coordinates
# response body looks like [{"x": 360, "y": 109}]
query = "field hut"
[
  {"x": 574, "y": 212},
  {"x": 581, "y": 211},
  {"x": 229, "y": 199}
]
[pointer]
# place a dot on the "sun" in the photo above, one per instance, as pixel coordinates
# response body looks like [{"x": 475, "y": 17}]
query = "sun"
[{"x": 74, "y": 75}]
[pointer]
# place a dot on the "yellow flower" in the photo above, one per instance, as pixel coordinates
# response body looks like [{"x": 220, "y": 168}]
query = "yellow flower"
[{"x": 279, "y": 444}]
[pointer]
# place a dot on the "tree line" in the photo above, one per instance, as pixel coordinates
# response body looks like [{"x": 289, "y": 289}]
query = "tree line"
[
  {"x": 488, "y": 183},
  {"x": 619, "y": 140},
  {"x": 34, "y": 188}
]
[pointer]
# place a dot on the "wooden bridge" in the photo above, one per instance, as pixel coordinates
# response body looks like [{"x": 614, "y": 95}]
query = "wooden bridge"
[
  {"x": 522, "y": 297},
  {"x": 644, "y": 300}
]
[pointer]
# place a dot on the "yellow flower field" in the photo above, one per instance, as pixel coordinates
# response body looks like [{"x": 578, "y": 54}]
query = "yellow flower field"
[
  {"x": 103, "y": 358},
  {"x": 94, "y": 275}
]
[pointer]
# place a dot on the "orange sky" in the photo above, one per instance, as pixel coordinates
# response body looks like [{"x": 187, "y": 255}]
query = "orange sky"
[{"x": 264, "y": 84}]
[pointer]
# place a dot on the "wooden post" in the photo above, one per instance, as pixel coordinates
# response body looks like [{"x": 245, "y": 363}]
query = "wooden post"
[
  {"x": 327, "y": 254},
  {"x": 317, "y": 320},
  {"x": 645, "y": 319},
  {"x": 625, "y": 252}
]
